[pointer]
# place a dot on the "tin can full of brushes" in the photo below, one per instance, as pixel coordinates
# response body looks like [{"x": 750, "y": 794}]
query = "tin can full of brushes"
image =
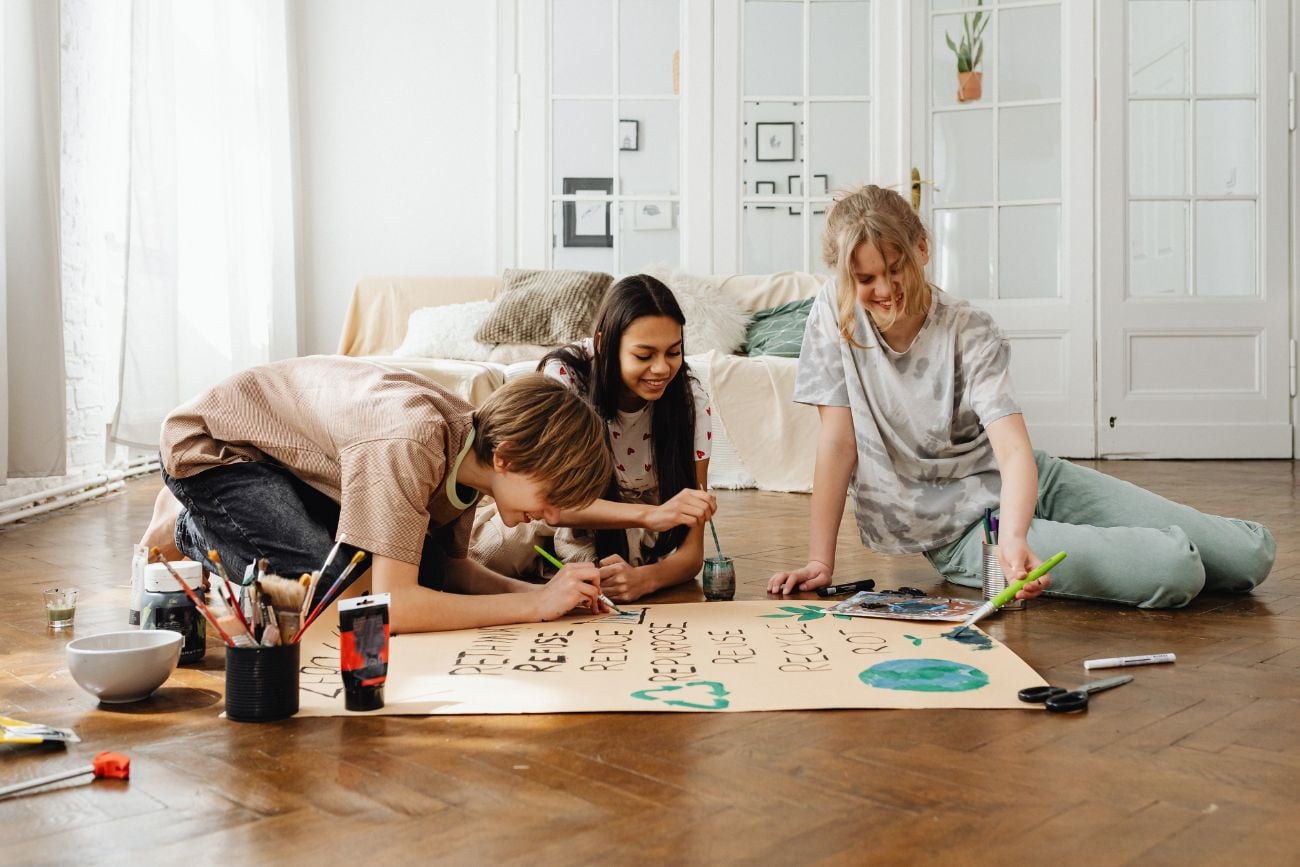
[
  {"x": 261, "y": 683},
  {"x": 994, "y": 581}
]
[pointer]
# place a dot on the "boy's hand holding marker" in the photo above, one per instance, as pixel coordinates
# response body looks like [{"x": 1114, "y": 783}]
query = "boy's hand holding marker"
[
  {"x": 600, "y": 604},
  {"x": 576, "y": 585}
]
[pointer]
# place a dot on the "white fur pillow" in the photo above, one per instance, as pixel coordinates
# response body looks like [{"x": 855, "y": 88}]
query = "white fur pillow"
[
  {"x": 446, "y": 331},
  {"x": 715, "y": 319}
]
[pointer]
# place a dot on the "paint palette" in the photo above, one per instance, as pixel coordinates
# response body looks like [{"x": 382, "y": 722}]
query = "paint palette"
[{"x": 893, "y": 606}]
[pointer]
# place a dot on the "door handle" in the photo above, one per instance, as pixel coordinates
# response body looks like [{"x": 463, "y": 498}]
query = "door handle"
[{"x": 917, "y": 180}]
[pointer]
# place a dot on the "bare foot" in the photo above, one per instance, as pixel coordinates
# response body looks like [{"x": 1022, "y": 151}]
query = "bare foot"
[{"x": 162, "y": 526}]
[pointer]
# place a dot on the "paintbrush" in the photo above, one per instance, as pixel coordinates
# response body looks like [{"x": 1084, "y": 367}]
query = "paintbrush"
[
  {"x": 558, "y": 565},
  {"x": 716, "y": 543},
  {"x": 1008, "y": 594},
  {"x": 155, "y": 554},
  {"x": 316, "y": 576},
  {"x": 236, "y": 603},
  {"x": 285, "y": 596},
  {"x": 335, "y": 588}
]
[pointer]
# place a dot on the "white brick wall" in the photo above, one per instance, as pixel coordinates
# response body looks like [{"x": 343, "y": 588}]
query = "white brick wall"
[{"x": 92, "y": 210}]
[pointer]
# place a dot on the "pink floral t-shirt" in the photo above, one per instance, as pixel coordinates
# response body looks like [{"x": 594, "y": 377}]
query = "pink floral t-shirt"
[{"x": 629, "y": 432}]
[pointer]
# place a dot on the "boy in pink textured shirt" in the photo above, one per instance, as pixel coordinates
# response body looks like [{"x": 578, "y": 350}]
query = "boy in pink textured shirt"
[{"x": 282, "y": 459}]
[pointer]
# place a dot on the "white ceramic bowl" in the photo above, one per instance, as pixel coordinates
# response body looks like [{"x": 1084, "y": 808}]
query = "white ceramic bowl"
[{"x": 118, "y": 667}]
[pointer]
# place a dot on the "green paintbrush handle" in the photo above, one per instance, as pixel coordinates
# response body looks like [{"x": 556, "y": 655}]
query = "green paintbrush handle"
[
  {"x": 1010, "y": 593},
  {"x": 547, "y": 554}
]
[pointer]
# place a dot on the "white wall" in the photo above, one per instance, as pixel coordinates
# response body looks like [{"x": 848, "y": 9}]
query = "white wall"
[{"x": 397, "y": 138}]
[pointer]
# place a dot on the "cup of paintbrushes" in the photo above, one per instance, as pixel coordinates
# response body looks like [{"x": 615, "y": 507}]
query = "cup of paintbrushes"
[{"x": 262, "y": 683}]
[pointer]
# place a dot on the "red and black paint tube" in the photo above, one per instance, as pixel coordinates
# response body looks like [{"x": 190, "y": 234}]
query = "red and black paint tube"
[{"x": 363, "y": 632}]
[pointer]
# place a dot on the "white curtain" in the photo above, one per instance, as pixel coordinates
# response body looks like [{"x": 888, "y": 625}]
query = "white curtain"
[
  {"x": 210, "y": 280},
  {"x": 33, "y": 440}
]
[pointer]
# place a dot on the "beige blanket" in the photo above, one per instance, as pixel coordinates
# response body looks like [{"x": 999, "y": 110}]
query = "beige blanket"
[{"x": 775, "y": 437}]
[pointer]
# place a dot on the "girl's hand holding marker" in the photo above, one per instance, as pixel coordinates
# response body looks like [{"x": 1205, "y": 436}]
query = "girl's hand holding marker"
[{"x": 1018, "y": 560}]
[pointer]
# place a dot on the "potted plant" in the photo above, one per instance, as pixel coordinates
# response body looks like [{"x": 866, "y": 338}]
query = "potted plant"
[{"x": 969, "y": 52}]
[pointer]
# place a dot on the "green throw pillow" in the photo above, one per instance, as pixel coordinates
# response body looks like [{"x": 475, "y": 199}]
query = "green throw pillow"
[{"x": 778, "y": 330}]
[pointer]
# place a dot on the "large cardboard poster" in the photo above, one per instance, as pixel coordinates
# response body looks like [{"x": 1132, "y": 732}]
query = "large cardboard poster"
[{"x": 710, "y": 656}]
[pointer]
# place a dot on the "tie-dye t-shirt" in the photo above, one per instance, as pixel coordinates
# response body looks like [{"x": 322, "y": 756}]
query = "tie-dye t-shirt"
[{"x": 925, "y": 468}]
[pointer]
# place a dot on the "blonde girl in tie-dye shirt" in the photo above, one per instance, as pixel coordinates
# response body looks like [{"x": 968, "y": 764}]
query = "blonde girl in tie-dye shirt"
[{"x": 920, "y": 426}]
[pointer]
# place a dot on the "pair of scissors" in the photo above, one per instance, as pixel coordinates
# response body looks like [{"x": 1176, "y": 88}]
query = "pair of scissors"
[{"x": 1059, "y": 700}]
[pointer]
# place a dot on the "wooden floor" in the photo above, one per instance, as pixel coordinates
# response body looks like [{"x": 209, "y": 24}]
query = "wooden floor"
[{"x": 1194, "y": 763}]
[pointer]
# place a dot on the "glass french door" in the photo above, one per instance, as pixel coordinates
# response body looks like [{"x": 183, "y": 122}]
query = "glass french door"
[
  {"x": 1194, "y": 286},
  {"x": 1005, "y": 184}
]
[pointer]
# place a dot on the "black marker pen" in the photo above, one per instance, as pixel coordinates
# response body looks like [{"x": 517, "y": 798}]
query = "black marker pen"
[{"x": 851, "y": 587}]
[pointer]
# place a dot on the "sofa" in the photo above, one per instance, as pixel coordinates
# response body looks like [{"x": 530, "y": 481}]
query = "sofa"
[{"x": 762, "y": 439}]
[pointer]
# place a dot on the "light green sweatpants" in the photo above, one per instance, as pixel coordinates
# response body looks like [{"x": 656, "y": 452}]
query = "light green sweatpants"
[{"x": 1124, "y": 543}]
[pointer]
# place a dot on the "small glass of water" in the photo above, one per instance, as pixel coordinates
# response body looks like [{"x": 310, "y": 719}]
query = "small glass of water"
[
  {"x": 719, "y": 578},
  {"x": 60, "y": 607}
]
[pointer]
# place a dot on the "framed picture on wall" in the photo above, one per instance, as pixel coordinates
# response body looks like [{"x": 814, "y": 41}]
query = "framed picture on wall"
[
  {"x": 820, "y": 184},
  {"x": 629, "y": 135},
  {"x": 774, "y": 142},
  {"x": 765, "y": 188},
  {"x": 586, "y": 221},
  {"x": 796, "y": 189}
]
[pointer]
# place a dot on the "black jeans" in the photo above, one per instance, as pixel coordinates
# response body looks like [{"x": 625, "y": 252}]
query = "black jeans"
[{"x": 249, "y": 510}]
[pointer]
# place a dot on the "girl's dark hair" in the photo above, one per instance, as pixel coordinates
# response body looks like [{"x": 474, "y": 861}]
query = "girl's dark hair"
[{"x": 672, "y": 420}]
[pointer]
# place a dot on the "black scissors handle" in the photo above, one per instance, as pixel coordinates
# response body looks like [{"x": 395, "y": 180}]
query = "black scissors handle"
[
  {"x": 1040, "y": 694},
  {"x": 1068, "y": 702},
  {"x": 1060, "y": 700}
]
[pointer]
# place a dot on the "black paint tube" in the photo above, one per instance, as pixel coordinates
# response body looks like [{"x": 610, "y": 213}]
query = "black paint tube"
[{"x": 363, "y": 635}]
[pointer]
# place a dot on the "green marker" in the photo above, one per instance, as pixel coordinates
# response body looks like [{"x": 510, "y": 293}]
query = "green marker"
[
  {"x": 558, "y": 565},
  {"x": 1008, "y": 594}
]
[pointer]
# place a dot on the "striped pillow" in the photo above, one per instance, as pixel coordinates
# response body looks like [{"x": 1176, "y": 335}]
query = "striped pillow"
[{"x": 548, "y": 307}]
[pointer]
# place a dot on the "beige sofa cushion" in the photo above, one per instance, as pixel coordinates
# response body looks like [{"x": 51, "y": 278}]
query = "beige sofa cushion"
[
  {"x": 546, "y": 307},
  {"x": 381, "y": 306},
  {"x": 760, "y": 291}
]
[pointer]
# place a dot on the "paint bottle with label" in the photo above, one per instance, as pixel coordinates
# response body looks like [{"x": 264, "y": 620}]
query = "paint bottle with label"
[
  {"x": 139, "y": 559},
  {"x": 164, "y": 605}
]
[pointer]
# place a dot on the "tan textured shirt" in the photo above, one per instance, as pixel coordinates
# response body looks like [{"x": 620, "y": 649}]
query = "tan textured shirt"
[{"x": 380, "y": 441}]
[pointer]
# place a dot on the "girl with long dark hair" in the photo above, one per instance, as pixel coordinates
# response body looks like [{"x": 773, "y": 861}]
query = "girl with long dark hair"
[{"x": 648, "y": 531}]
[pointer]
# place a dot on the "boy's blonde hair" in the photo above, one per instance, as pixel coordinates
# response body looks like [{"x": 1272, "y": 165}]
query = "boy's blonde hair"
[
  {"x": 882, "y": 218},
  {"x": 549, "y": 433}
]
